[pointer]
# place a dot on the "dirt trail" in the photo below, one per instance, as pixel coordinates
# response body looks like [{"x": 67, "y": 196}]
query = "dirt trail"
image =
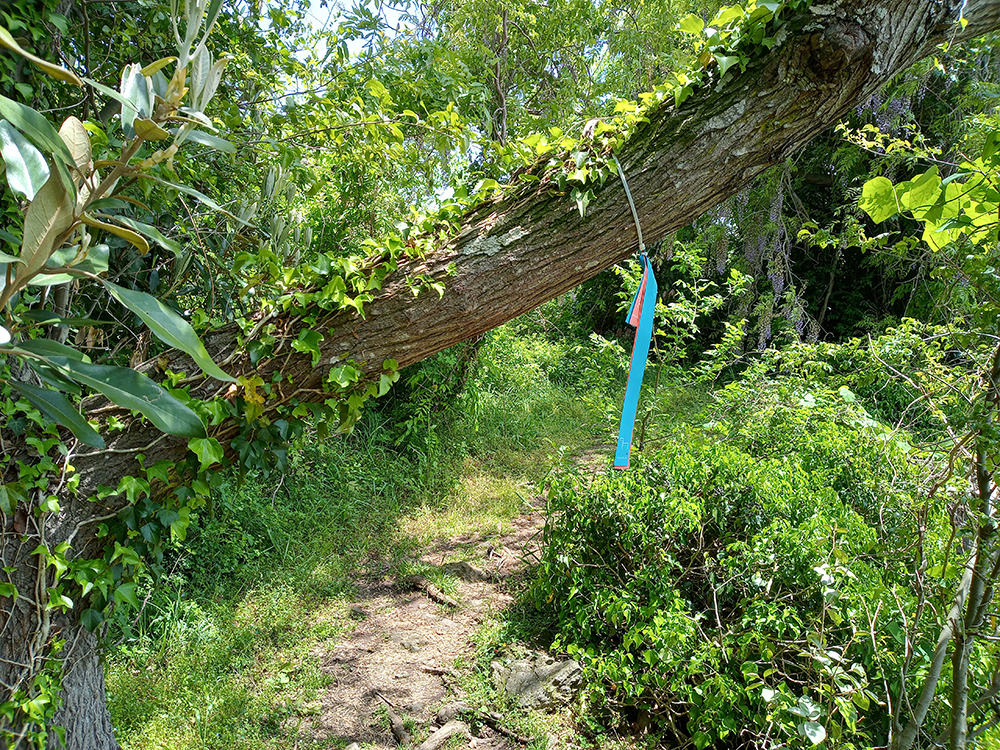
[{"x": 402, "y": 646}]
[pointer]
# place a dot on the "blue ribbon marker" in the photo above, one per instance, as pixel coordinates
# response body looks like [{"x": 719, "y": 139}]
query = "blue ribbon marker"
[{"x": 640, "y": 315}]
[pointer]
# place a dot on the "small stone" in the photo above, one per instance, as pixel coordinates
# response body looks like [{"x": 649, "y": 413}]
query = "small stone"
[
  {"x": 413, "y": 642},
  {"x": 401, "y": 675},
  {"x": 539, "y": 682},
  {"x": 353, "y": 746},
  {"x": 416, "y": 708},
  {"x": 451, "y": 711},
  {"x": 466, "y": 572}
]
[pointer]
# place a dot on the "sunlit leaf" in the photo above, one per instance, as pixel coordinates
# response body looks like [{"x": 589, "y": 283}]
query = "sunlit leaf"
[
  {"x": 169, "y": 327},
  {"x": 57, "y": 407},
  {"x": 38, "y": 129},
  {"x": 55, "y": 71},
  {"x": 132, "y": 390},
  {"x": 27, "y": 169}
]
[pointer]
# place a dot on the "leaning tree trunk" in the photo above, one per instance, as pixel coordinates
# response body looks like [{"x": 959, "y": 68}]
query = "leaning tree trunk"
[{"x": 510, "y": 256}]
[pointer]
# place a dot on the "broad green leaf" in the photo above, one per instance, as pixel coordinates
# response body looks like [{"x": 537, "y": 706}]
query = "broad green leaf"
[
  {"x": 923, "y": 192},
  {"x": 813, "y": 731},
  {"x": 126, "y": 593},
  {"x": 126, "y": 234},
  {"x": 38, "y": 129},
  {"x": 169, "y": 327},
  {"x": 878, "y": 199},
  {"x": 155, "y": 66},
  {"x": 149, "y": 130},
  {"x": 728, "y": 14},
  {"x": 12, "y": 239},
  {"x": 726, "y": 62},
  {"x": 208, "y": 450},
  {"x": 91, "y": 619},
  {"x": 57, "y": 407},
  {"x": 10, "y": 495},
  {"x": 132, "y": 390},
  {"x": 692, "y": 24},
  {"x": 56, "y": 71},
  {"x": 27, "y": 169},
  {"x": 152, "y": 232},
  {"x": 47, "y": 317},
  {"x": 991, "y": 145},
  {"x": 77, "y": 140},
  {"x": 308, "y": 343},
  {"x": 136, "y": 93},
  {"x": 95, "y": 262},
  {"x": 50, "y": 348},
  {"x": 48, "y": 217},
  {"x": 212, "y": 141}
]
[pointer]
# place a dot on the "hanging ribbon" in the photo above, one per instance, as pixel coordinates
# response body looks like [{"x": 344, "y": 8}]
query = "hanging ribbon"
[{"x": 640, "y": 316}]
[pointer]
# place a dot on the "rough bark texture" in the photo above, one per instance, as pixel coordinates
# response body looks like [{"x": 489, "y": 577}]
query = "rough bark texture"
[{"x": 514, "y": 254}]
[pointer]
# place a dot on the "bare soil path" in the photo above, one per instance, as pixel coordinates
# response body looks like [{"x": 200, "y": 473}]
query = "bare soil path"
[{"x": 401, "y": 646}]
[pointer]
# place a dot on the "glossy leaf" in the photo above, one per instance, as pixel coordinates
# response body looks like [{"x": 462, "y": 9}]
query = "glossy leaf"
[
  {"x": 55, "y": 71},
  {"x": 212, "y": 141},
  {"x": 27, "y": 169},
  {"x": 126, "y": 234},
  {"x": 50, "y": 348},
  {"x": 36, "y": 127},
  {"x": 57, "y": 407},
  {"x": 132, "y": 390},
  {"x": 152, "y": 232},
  {"x": 169, "y": 327}
]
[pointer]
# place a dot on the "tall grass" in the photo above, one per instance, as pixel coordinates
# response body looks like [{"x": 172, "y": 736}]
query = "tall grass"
[{"x": 223, "y": 653}]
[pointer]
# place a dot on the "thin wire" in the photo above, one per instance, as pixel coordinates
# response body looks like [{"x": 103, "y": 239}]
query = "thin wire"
[{"x": 631, "y": 203}]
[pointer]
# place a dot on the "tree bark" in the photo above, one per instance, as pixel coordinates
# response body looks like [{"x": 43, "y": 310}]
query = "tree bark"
[{"x": 510, "y": 256}]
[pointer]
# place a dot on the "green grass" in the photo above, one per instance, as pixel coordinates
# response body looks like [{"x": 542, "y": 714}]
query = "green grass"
[{"x": 224, "y": 653}]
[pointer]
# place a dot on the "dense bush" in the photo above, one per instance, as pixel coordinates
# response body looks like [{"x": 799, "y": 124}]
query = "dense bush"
[{"x": 746, "y": 584}]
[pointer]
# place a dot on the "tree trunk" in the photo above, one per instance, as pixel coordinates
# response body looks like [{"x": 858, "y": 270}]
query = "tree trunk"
[{"x": 510, "y": 256}]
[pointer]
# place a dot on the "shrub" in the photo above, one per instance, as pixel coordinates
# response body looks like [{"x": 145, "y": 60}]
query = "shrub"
[{"x": 742, "y": 584}]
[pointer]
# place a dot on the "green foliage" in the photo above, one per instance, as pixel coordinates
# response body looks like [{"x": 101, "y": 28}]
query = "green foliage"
[{"x": 732, "y": 582}]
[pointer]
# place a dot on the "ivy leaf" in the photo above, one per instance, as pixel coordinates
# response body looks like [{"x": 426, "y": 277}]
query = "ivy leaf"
[
  {"x": 308, "y": 343},
  {"x": 27, "y": 169},
  {"x": 126, "y": 593},
  {"x": 91, "y": 619},
  {"x": 878, "y": 199},
  {"x": 208, "y": 450},
  {"x": 726, "y": 62},
  {"x": 133, "y": 390},
  {"x": 169, "y": 327},
  {"x": 57, "y": 407},
  {"x": 10, "y": 495}
]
